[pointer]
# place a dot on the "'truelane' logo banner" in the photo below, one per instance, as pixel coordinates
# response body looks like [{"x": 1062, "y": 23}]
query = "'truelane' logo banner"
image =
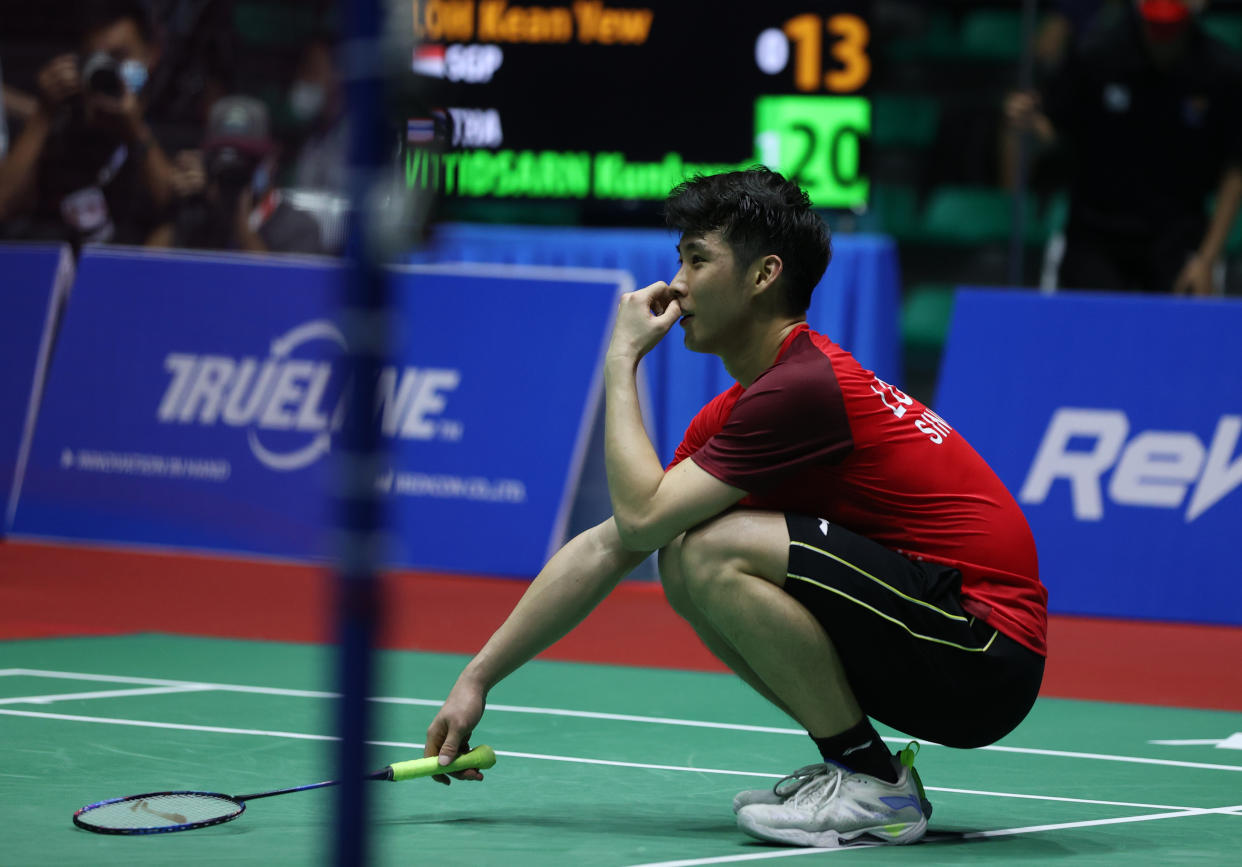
[{"x": 194, "y": 401}]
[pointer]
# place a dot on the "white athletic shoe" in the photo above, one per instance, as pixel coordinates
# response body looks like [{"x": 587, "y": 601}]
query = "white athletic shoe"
[
  {"x": 831, "y": 807},
  {"x": 778, "y": 793}
]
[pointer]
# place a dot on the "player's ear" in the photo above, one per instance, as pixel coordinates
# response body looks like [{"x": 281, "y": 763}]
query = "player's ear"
[{"x": 765, "y": 272}]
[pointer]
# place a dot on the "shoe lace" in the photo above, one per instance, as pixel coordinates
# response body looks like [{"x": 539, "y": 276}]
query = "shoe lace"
[
  {"x": 787, "y": 785},
  {"x": 821, "y": 783}
]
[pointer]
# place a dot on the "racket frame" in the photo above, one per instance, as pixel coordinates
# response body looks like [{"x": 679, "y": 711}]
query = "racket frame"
[
  {"x": 480, "y": 757},
  {"x": 186, "y": 826}
]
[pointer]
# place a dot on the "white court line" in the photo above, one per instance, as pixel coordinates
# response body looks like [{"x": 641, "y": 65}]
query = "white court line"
[
  {"x": 1193, "y": 742},
  {"x": 418, "y": 702},
  {"x": 151, "y": 724},
  {"x": 1055, "y": 798},
  {"x": 1104, "y": 757},
  {"x": 159, "y": 681},
  {"x": 109, "y": 693},
  {"x": 424, "y": 702},
  {"x": 402, "y": 744},
  {"x": 538, "y": 756},
  {"x": 1233, "y": 742},
  {"x": 619, "y": 717},
  {"x": 756, "y": 856},
  {"x": 971, "y": 835},
  {"x": 1175, "y": 812},
  {"x": 1091, "y": 823}
]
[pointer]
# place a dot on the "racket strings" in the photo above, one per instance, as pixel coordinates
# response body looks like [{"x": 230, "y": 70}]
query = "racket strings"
[{"x": 159, "y": 811}]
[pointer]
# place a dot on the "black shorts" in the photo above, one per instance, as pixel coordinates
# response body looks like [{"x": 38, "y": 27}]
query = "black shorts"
[{"x": 915, "y": 660}]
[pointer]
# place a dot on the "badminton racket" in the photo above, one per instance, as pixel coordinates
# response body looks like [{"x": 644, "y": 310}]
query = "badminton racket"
[{"x": 161, "y": 812}]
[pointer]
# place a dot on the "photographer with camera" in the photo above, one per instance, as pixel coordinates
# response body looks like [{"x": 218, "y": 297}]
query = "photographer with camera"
[
  {"x": 86, "y": 167},
  {"x": 224, "y": 194}
]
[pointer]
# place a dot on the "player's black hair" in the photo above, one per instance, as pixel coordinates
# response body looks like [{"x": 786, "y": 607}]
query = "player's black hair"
[
  {"x": 94, "y": 15},
  {"x": 757, "y": 212}
]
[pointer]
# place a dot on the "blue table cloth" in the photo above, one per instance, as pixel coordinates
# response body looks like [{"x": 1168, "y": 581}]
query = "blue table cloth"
[{"x": 856, "y": 304}]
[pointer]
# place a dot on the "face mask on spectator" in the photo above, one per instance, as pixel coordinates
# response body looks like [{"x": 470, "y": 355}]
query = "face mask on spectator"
[
  {"x": 306, "y": 99},
  {"x": 134, "y": 74}
]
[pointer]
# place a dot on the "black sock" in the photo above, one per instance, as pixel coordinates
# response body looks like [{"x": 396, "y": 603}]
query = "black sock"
[{"x": 859, "y": 749}]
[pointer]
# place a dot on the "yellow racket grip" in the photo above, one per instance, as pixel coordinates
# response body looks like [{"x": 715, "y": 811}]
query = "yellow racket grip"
[{"x": 480, "y": 757}]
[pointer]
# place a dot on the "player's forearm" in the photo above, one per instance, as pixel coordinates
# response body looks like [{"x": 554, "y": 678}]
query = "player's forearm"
[
  {"x": 573, "y": 582},
  {"x": 634, "y": 469},
  {"x": 1228, "y": 199}
]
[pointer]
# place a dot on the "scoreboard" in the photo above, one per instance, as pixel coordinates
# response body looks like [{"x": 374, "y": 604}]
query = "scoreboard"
[{"x": 603, "y": 101}]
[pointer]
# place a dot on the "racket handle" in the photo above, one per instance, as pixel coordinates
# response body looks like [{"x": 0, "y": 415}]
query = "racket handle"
[{"x": 480, "y": 757}]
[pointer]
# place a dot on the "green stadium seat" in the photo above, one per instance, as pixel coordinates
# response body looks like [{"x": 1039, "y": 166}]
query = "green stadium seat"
[
  {"x": 925, "y": 316},
  {"x": 938, "y": 39},
  {"x": 904, "y": 120},
  {"x": 1225, "y": 27},
  {"x": 971, "y": 215},
  {"x": 267, "y": 23},
  {"x": 1055, "y": 213},
  {"x": 990, "y": 34},
  {"x": 1233, "y": 244},
  {"x": 893, "y": 210}
]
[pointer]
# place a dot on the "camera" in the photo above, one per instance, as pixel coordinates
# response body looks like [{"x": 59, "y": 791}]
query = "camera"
[
  {"x": 101, "y": 73},
  {"x": 231, "y": 169}
]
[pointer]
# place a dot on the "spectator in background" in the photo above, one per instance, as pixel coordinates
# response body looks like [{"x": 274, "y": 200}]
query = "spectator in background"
[
  {"x": 225, "y": 196},
  {"x": 201, "y": 65},
  {"x": 15, "y": 105},
  {"x": 1058, "y": 32},
  {"x": 317, "y": 106},
  {"x": 1061, "y": 28},
  {"x": 1150, "y": 109},
  {"x": 4, "y": 114},
  {"x": 86, "y": 167}
]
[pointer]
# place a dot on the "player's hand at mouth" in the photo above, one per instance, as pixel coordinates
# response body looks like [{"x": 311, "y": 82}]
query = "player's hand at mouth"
[{"x": 643, "y": 318}]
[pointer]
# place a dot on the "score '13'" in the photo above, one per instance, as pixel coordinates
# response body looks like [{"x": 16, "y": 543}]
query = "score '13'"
[{"x": 851, "y": 65}]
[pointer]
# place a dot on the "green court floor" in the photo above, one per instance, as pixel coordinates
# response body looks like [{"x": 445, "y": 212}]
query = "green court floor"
[{"x": 598, "y": 765}]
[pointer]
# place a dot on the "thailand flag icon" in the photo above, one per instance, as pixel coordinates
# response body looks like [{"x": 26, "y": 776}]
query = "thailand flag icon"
[{"x": 420, "y": 130}]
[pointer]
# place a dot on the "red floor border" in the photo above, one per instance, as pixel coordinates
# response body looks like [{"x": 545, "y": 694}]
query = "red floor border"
[{"x": 57, "y": 590}]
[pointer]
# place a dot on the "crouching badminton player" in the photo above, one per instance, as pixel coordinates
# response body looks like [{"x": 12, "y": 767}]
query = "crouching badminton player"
[{"x": 832, "y": 540}]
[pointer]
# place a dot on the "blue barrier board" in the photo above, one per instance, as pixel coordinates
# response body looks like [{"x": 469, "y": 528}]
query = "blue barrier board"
[
  {"x": 1115, "y": 420},
  {"x": 35, "y": 279},
  {"x": 193, "y": 402}
]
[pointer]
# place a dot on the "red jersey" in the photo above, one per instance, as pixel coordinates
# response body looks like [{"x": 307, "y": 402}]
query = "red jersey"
[{"x": 818, "y": 434}]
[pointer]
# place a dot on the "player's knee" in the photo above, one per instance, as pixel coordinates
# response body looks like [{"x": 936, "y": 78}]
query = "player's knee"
[
  {"x": 705, "y": 561},
  {"x": 704, "y": 545},
  {"x": 672, "y": 576},
  {"x": 691, "y": 579}
]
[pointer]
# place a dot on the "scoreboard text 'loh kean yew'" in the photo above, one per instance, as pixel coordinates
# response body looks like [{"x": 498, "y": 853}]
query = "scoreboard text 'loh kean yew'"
[{"x": 586, "y": 22}]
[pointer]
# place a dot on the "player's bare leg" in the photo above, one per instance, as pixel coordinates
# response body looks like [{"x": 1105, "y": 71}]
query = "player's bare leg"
[
  {"x": 727, "y": 582},
  {"x": 678, "y": 597},
  {"x": 728, "y": 578}
]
